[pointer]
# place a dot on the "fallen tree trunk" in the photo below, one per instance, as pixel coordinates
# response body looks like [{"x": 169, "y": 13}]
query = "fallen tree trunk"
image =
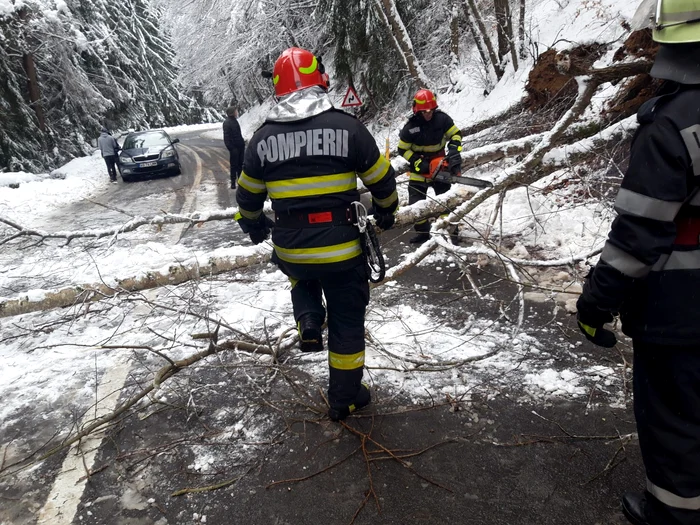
[
  {"x": 551, "y": 160},
  {"x": 76, "y": 295}
]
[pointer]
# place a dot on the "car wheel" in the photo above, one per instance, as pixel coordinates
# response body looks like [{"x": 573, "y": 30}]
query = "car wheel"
[{"x": 177, "y": 171}]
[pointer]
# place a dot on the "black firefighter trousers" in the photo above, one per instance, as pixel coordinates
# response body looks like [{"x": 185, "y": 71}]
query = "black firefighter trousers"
[
  {"x": 347, "y": 297},
  {"x": 667, "y": 410},
  {"x": 417, "y": 191}
]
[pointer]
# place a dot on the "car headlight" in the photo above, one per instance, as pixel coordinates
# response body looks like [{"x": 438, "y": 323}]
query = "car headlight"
[
  {"x": 125, "y": 160},
  {"x": 167, "y": 153}
]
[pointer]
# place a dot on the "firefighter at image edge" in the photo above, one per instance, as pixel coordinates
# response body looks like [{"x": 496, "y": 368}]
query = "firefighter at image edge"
[
  {"x": 306, "y": 157},
  {"x": 421, "y": 140},
  {"x": 649, "y": 273}
]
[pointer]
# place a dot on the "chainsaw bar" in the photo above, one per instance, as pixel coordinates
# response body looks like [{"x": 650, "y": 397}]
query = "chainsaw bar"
[{"x": 445, "y": 176}]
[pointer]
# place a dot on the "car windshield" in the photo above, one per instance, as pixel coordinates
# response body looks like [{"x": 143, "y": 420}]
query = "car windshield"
[{"x": 146, "y": 140}]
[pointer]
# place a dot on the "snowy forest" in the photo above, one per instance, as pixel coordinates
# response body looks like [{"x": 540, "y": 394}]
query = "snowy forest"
[
  {"x": 69, "y": 68},
  {"x": 152, "y": 370}
]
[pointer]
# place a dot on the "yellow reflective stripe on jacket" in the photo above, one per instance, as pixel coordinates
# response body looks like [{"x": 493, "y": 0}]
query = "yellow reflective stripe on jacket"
[
  {"x": 453, "y": 133},
  {"x": 417, "y": 178},
  {"x": 253, "y": 215},
  {"x": 312, "y": 186},
  {"x": 320, "y": 255},
  {"x": 251, "y": 184},
  {"x": 346, "y": 361},
  {"x": 376, "y": 172},
  {"x": 430, "y": 148},
  {"x": 385, "y": 203}
]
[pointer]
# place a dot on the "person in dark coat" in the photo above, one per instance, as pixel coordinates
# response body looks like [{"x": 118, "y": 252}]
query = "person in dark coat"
[
  {"x": 110, "y": 149},
  {"x": 649, "y": 273},
  {"x": 307, "y": 157},
  {"x": 233, "y": 139}
]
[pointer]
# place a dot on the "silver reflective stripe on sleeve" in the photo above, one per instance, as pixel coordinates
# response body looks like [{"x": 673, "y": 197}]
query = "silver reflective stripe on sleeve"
[
  {"x": 624, "y": 262},
  {"x": 670, "y": 499},
  {"x": 695, "y": 198},
  {"x": 691, "y": 137},
  {"x": 678, "y": 261},
  {"x": 632, "y": 203}
]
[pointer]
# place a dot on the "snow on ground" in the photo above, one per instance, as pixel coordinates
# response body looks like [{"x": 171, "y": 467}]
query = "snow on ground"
[{"x": 43, "y": 362}]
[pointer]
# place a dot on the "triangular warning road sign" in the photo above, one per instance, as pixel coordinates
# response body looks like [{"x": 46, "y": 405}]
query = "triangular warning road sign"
[{"x": 351, "y": 99}]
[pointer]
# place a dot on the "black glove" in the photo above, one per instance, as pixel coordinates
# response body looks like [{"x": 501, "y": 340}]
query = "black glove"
[
  {"x": 591, "y": 320},
  {"x": 258, "y": 231},
  {"x": 454, "y": 160},
  {"x": 421, "y": 165},
  {"x": 384, "y": 220}
]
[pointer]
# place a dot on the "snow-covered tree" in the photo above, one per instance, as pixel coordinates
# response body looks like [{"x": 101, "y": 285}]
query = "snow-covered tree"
[{"x": 70, "y": 67}]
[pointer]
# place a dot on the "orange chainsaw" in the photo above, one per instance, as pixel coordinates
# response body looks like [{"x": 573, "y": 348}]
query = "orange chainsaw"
[{"x": 440, "y": 172}]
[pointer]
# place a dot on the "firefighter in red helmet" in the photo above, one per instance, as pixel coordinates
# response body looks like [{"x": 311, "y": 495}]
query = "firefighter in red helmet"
[
  {"x": 423, "y": 139},
  {"x": 306, "y": 157}
]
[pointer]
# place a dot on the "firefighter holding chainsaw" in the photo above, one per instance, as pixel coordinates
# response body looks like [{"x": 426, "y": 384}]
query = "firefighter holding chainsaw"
[
  {"x": 307, "y": 157},
  {"x": 422, "y": 143},
  {"x": 649, "y": 273}
]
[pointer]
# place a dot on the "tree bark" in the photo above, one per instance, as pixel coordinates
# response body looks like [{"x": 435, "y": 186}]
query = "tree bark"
[
  {"x": 389, "y": 15},
  {"x": 521, "y": 31},
  {"x": 454, "y": 32},
  {"x": 504, "y": 30},
  {"x": 482, "y": 40},
  {"x": 33, "y": 86}
]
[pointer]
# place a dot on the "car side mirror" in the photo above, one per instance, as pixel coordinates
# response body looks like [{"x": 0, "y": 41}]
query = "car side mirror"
[{"x": 175, "y": 141}]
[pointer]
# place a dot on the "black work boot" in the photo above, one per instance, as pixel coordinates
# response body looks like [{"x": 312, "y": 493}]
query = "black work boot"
[
  {"x": 362, "y": 400},
  {"x": 310, "y": 337},
  {"x": 419, "y": 238},
  {"x": 634, "y": 508}
]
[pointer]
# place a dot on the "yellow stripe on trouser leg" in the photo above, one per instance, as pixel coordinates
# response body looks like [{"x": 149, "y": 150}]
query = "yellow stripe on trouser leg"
[{"x": 346, "y": 361}]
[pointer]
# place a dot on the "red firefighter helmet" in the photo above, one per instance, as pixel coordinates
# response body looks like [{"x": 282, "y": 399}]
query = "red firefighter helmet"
[
  {"x": 424, "y": 100},
  {"x": 297, "y": 69}
]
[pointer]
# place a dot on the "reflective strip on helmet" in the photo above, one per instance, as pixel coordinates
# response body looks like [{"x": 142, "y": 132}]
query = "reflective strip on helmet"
[
  {"x": 376, "y": 172},
  {"x": 312, "y": 186},
  {"x": 691, "y": 137},
  {"x": 320, "y": 255},
  {"x": 678, "y": 261},
  {"x": 633, "y": 203},
  {"x": 251, "y": 184},
  {"x": 385, "y": 203},
  {"x": 252, "y": 215},
  {"x": 624, "y": 262},
  {"x": 308, "y": 70},
  {"x": 670, "y": 12},
  {"x": 346, "y": 361},
  {"x": 672, "y": 500}
]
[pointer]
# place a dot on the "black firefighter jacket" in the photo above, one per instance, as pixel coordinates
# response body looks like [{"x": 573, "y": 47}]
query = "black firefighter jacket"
[
  {"x": 307, "y": 167},
  {"x": 427, "y": 139},
  {"x": 649, "y": 270}
]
